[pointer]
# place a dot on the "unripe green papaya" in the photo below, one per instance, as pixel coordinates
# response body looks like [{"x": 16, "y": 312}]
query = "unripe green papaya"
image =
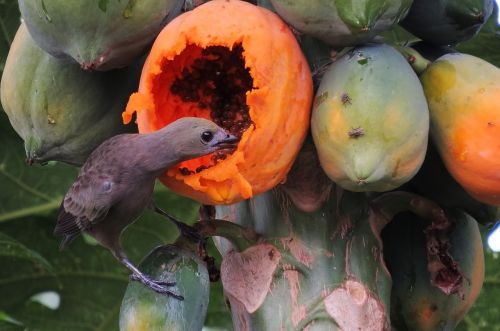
[
  {"x": 370, "y": 120},
  {"x": 99, "y": 35},
  {"x": 342, "y": 22},
  {"x": 445, "y": 22},
  {"x": 416, "y": 304},
  {"x": 145, "y": 310},
  {"x": 61, "y": 111}
]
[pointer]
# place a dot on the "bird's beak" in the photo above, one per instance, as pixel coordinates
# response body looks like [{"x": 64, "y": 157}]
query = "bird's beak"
[{"x": 229, "y": 141}]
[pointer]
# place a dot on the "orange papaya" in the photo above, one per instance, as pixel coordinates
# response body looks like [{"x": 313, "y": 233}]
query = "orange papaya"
[{"x": 463, "y": 92}]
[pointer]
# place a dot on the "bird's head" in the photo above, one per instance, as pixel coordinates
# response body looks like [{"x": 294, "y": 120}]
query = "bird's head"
[{"x": 196, "y": 137}]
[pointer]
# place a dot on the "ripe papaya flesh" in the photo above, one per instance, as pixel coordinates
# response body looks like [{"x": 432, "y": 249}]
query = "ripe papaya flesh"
[
  {"x": 61, "y": 111},
  {"x": 434, "y": 182},
  {"x": 416, "y": 304},
  {"x": 99, "y": 35},
  {"x": 445, "y": 22},
  {"x": 144, "y": 309},
  {"x": 342, "y": 22},
  {"x": 370, "y": 136},
  {"x": 463, "y": 92}
]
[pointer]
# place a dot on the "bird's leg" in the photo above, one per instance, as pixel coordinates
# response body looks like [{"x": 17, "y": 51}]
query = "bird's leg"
[
  {"x": 186, "y": 231},
  {"x": 157, "y": 286}
]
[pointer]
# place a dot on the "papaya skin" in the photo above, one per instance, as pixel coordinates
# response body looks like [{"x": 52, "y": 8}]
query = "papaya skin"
[
  {"x": 61, "y": 112},
  {"x": 342, "y": 22},
  {"x": 99, "y": 35},
  {"x": 416, "y": 303},
  {"x": 370, "y": 136},
  {"x": 463, "y": 93},
  {"x": 143, "y": 309}
]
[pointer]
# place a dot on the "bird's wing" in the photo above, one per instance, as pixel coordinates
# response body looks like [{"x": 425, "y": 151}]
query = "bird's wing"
[{"x": 88, "y": 200}]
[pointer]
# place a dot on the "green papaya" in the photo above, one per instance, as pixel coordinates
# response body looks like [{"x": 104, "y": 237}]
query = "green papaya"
[
  {"x": 416, "y": 304},
  {"x": 433, "y": 181},
  {"x": 145, "y": 310},
  {"x": 60, "y": 111},
  {"x": 445, "y": 22},
  {"x": 370, "y": 120},
  {"x": 100, "y": 35},
  {"x": 341, "y": 22}
]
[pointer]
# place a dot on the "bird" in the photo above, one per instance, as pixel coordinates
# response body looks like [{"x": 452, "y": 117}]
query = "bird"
[{"x": 115, "y": 184}]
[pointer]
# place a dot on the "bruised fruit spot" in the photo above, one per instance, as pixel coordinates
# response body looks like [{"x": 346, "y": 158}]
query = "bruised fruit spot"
[
  {"x": 247, "y": 276},
  {"x": 356, "y": 132},
  {"x": 320, "y": 99},
  {"x": 354, "y": 308},
  {"x": 345, "y": 98},
  {"x": 299, "y": 312},
  {"x": 444, "y": 270}
]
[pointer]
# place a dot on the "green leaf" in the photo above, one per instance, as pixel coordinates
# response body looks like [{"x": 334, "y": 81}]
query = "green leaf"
[
  {"x": 9, "y": 22},
  {"x": 88, "y": 279},
  {"x": 13, "y": 249},
  {"x": 28, "y": 190},
  {"x": 483, "y": 315},
  {"x": 486, "y": 44}
]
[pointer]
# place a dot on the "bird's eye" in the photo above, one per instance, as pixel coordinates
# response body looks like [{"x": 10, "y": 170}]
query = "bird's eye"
[{"x": 207, "y": 136}]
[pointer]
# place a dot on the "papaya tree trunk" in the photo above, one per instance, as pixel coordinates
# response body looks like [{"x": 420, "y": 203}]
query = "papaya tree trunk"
[{"x": 319, "y": 265}]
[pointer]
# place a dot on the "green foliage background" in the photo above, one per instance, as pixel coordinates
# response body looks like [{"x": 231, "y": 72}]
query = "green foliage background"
[{"x": 89, "y": 281}]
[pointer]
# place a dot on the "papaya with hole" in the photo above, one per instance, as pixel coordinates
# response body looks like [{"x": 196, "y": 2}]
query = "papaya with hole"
[{"x": 416, "y": 304}]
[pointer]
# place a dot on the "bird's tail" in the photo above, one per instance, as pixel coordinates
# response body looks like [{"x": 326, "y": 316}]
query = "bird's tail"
[{"x": 67, "y": 239}]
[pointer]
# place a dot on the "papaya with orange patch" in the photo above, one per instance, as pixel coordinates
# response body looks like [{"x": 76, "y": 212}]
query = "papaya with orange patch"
[
  {"x": 463, "y": 93},
  {"x": 370, "y": 120}
]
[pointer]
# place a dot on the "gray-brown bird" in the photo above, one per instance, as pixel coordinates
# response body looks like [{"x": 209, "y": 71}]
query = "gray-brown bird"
[{"x": 116, "y": 183}]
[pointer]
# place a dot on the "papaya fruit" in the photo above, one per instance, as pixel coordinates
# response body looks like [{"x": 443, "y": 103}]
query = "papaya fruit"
[
  {"x": 100, "y": 35},
  {"x": 416, "y": 304},
  {"x": 370, "y": 136},
  {"x": 445, "y": 22},
  {"x": 342, "y": 23},
  {"x": 60, "y": 111},
  {"x": 433, "y": 181},
  {"x": 146, "y": 310},
  {"x": 463, "y": 92}
]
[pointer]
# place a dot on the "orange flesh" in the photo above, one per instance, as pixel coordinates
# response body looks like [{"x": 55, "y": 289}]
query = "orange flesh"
[{"x": 206, "y": 82}]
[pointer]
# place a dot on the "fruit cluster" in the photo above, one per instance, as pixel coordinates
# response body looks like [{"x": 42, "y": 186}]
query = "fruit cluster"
[{"x": 382, "y": 117}]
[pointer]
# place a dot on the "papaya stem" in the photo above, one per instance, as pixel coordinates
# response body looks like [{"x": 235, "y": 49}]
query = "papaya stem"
[
  {"x": 392, "y": 203},
  {"x": 241, "y": 237},
  {"x": 414, "y": 58}
]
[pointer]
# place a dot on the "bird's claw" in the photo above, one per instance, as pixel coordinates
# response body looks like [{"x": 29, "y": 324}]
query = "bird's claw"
[{"x": 160, "y": 287}]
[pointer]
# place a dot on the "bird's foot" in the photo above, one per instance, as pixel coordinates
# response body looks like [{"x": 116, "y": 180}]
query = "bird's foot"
[
  {"x": 155, "y": 285},
  {"x": 160, "y": 287}
]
